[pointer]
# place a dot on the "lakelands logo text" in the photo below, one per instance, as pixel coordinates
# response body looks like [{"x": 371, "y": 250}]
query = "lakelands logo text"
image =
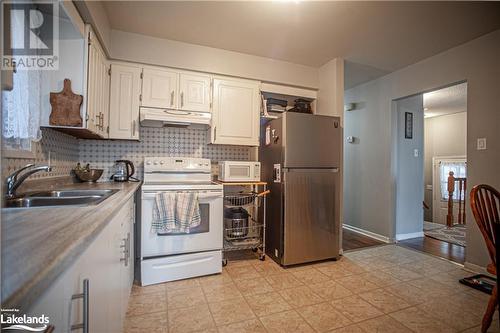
[
  {"x": 30, "y": 35},
  {"x": 12, "y": 320}
]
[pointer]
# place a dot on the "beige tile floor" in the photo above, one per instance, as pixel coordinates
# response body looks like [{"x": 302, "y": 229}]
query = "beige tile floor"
[{"x": 383, "y": 289}]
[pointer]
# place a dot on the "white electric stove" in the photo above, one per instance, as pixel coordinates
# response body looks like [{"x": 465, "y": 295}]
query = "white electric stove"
[{"x": 168, "y": 257}]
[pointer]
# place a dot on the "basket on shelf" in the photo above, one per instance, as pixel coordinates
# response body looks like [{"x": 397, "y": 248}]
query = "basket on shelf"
[{"x": 243, "y": 198}]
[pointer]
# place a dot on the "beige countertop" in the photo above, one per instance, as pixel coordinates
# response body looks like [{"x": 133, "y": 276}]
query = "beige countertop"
[{"x": 38, "y": 244}]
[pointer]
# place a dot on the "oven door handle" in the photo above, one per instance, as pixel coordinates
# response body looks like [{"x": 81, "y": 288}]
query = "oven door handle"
[{"x": 204, "y": 196}]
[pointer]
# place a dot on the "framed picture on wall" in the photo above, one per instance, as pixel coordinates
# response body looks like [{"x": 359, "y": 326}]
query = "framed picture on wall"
[{"x": 408, "y": 125}]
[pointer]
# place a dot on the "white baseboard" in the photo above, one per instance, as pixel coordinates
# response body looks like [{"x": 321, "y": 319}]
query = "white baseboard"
[
  {"x": 476, "y": 268},
  {"x": 410, "y": 235},
  {"x": 367, "y": 233}
]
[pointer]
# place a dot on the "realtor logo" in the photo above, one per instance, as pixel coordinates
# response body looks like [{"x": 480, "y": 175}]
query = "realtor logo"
[
  {"x": 30, "y": 35},
  {"x": 12, "y": 319}
]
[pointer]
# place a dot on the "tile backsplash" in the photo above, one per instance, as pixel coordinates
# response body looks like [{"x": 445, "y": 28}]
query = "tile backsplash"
[
  {"x": 166, "y": 141},
  {"x": 63, "y": 150},
  {"x": 66, "y": 151}
]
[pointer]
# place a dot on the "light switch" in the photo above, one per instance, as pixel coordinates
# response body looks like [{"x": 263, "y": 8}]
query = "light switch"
[
  {"x": 481, "y": 144},
  {"x": 350, "y": 139},
  {"x": 416, "y": 152}
]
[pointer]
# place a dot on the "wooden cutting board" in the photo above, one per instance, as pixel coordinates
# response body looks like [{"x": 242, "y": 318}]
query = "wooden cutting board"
[{"x": 65, "y": 107}]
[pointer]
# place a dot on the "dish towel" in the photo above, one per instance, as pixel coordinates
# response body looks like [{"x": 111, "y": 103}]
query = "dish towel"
[{"x": 175, "y": 212}]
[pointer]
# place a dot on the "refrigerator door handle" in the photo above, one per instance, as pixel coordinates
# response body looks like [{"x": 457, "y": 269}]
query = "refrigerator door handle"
[{"x": 311, "y": 169}]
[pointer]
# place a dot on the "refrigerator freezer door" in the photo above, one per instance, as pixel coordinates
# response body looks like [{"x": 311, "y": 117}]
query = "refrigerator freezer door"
[
  {"x": 311, "y": 141},
  {"x": 270, "y": 155},
  {"x": 311, "y": 219}
]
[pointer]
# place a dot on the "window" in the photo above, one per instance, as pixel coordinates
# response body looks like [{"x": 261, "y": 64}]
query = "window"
[
  {"x": 21, "y": 106},
  {"x": 459, "y": 169}
]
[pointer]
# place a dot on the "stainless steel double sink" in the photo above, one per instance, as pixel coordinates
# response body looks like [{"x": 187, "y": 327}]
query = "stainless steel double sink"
[{"x": 59, "y": 198}]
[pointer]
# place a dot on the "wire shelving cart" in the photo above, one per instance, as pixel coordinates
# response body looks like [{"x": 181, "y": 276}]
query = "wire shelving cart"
[{"x": 245, "y": 197}]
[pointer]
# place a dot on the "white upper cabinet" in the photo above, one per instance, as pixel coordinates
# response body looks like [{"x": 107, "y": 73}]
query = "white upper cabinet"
[
  {"x": 194, "y": 92},
  {"x": 170, "y": 89},
  {"x": 124, "y": 101},
  {"x": 160, "y": 88},
  {"x": 97, "y": 88},
  {"x": 236, "y": 112}
]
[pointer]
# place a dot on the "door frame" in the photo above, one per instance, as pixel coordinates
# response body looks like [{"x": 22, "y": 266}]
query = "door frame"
[{"x": 435, "y": 177}]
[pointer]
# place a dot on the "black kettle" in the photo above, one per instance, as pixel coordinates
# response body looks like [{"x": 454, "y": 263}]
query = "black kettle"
[{"x": 123, "y": 171}]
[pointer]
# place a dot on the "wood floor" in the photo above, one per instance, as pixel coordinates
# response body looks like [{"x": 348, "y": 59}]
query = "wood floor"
[
  {"x": 352, "y": 240},
  {"x": 436, "y": 247}
]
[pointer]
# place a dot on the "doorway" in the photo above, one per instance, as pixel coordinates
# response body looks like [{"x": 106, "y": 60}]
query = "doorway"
[{"x": 443, "y": 145}]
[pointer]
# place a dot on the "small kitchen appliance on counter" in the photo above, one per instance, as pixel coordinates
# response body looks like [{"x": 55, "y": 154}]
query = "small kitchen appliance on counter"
[
  {"x": 239, "y": 171},
  {"x": 123, "y": 171}
]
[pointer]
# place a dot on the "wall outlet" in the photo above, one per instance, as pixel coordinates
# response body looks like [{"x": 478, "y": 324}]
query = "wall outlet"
[{"x": 481, "y": 144}]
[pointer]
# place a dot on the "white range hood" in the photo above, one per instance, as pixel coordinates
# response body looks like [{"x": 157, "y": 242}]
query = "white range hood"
[{"x": 152, "y": 117}]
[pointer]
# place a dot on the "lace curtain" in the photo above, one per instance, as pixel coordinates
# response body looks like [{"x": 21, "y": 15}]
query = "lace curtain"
[
  {"x": 21, "y": 107},
  {"x": 460, "y": 171}
]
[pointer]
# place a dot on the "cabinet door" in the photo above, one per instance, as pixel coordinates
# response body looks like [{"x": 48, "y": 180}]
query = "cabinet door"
[
  {"x": 124, "y": 102},
  {"x": 127, "y": 268},
  {"x": 115, "y": 311},
  {"x": 194, "y": 92},
  {"x": 159, "y": 88},
  {"x": 96, "y": 266},
  {"x": 236, "y": 108},
  {"x": 51, "y": 304},
  {"x": 98, "y": 88}
]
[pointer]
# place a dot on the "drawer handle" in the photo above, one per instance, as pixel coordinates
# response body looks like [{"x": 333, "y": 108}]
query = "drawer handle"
[
  {"x": 84, "y": 326},
  {"x": 182, "y": 99},
  {"x": 172, "y": 98}
]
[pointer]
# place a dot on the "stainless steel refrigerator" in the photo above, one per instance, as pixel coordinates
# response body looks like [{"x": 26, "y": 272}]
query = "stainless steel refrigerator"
[{"x": 300, "y": 157}]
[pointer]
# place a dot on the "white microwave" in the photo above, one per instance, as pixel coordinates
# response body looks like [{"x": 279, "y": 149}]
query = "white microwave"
[{"x": 239, "y": 171}]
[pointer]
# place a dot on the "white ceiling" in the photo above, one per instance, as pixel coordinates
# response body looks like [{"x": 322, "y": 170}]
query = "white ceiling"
[
  {"x": 446, "y": 101},
  {"x": 383, "y": 36}
]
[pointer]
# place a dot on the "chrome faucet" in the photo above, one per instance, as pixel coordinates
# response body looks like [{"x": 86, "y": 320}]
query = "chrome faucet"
[{"x": 13, "y": 181}]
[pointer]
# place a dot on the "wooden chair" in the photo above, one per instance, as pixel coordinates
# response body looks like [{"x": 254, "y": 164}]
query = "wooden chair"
[{"x": 485, "y": 204}]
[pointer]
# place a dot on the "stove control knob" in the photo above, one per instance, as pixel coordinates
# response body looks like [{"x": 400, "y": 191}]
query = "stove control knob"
[
  {"x": 148, "y": 162},
  {"x": 156, "y": 163},
  {"x": 161, "y": 162}
]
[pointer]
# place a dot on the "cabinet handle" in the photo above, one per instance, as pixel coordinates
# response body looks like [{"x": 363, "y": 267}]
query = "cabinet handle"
[
  {"x": 101, "y": 121},
  {"x": 126, "y": 251},
  {"x": 84, "y": 326},
  {"x": 172, "y": 98},
  {"x": 215, "y": 133},
  {"x": 133, "y": 128},
  {"x": 182, "y": 99}
]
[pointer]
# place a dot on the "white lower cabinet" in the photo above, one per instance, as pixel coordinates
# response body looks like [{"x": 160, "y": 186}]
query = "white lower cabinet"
[{"x": 107, "y": 266}]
